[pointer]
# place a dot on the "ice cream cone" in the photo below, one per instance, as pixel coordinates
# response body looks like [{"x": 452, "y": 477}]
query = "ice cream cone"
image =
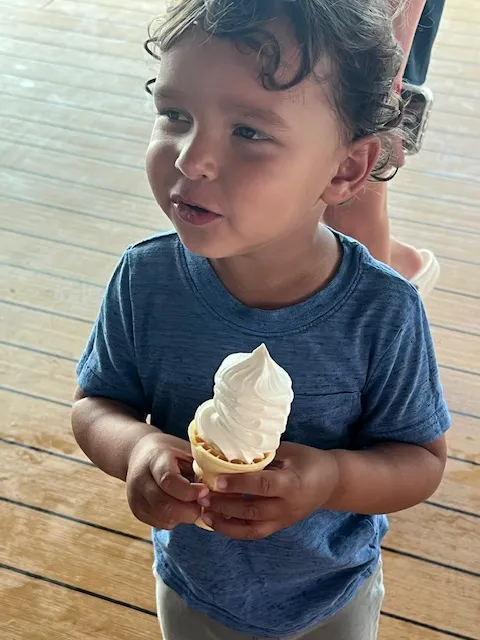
[{"x": 209, "y": 463}]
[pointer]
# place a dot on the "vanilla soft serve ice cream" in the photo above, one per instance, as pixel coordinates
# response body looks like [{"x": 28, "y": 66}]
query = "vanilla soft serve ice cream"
[{"x": 251, "y": 403}]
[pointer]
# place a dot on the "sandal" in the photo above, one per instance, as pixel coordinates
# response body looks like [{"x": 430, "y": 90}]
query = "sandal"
[{"x": 426, "y": 279}]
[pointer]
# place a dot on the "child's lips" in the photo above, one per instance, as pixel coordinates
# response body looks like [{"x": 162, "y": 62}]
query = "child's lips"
[{"x": 194, "y": 214}]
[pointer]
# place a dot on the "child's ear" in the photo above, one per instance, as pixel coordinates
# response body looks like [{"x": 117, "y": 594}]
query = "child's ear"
[{"x": 353, "y": 171}]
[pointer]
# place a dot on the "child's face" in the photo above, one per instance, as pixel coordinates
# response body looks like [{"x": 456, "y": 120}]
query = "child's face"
[{"x": 261, "y": 160}]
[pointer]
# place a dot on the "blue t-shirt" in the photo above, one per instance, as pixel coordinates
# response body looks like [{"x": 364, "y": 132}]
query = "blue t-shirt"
[{"x": 363, "y": 367}]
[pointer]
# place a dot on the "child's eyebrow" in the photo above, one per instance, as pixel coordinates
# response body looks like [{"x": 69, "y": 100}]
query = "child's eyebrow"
[
  {"x": 164, "y": 93},
  {"x": 249, "y": 111},
  {"x": 265, "y": 115}
]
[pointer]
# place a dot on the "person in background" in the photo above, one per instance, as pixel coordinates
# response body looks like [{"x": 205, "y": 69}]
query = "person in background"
[{"x": 365, "y": 218}]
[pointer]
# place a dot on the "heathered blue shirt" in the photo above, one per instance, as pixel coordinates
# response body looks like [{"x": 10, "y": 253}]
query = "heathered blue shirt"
[{"x": 363, "y": 367}]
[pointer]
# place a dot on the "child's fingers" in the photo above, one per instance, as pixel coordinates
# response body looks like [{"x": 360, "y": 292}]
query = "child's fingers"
[
  {"x": 167, "y": 474},
  {"x": 257, "y": 509},
  {"x": 239, "y": 529},
  {"x": 164, "y": 511},
  {"x": 269, "y": 484}
]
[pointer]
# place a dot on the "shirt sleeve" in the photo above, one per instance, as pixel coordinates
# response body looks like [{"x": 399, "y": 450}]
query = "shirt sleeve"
[
  {"x": 403, "y": 398},
  {"x": 108, "y": 366}
]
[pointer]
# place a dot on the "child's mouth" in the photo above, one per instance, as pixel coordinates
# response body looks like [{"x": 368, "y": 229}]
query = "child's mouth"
[{"x": 193, "y": 214}]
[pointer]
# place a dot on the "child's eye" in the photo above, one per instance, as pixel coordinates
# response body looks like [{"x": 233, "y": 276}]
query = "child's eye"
[
  {"x": 173, "y": 115},
  {"x": 248, "y": 133}
]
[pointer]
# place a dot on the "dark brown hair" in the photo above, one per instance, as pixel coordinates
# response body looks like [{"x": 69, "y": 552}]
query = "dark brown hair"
[{"x": 355, "y": 37}]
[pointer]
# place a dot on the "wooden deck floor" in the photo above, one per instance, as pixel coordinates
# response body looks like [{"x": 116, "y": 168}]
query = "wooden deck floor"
[{"x": 74, "y": 123}]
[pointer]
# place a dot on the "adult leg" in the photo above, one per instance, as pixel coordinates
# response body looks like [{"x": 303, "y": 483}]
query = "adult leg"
[{"x": 366, "y": 217}]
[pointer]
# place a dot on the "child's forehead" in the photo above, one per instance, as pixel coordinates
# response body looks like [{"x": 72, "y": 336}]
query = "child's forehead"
[{"x": 205, "y": 64}]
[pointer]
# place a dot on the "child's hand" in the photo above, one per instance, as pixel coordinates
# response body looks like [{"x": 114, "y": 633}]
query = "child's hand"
[
  {"x": 255, "y": 505},
  {"x": 158, "y": 490}
]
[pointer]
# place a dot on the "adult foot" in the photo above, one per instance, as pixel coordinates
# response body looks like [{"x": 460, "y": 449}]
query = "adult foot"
[{"x": 405, "y": 259}]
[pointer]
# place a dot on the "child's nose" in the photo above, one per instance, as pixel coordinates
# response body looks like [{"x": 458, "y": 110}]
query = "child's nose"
[{"x": 198, "y": 158}]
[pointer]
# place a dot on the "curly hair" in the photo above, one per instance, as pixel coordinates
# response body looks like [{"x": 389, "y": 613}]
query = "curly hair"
[{"x": 355, "y": 37}]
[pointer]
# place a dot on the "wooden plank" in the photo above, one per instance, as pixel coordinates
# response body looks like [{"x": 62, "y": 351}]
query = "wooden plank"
[
  {"x": 24, "y": 14},
  {"x": 104, "y": 13},
  {"x": 88, "y": 202},
  {"x": 460, "y": 487},
  {"x": 40, "y": 611},
  {"x": 459, "y": 245},
  {"x": 123, "y": 181},
  {"x": 450, "y": 143},
  {"x": 34, "y": 330},
  {"x": 456, "y": 69},
  {"x": 459, "y": 277},
  {"x": 31, "y": 25},
  {"x": 78, "y": 555},
  {"x": 409, "y": 593},
  {"x": 391, "y": 629},
  {"x": 462, "y": 53},
  {"x": 443, "y": 547},
  {"x": 464, "y": 438},
  {"x": 443, "y": 164},
  {"x": 136, "y": 105},
  {"x": 447, "y": 107},
  {"x": 442, "y": 83},
  {"x": 415, "y": 208},
  {"x": 450, "y": 116},
  {"x": 78, "y": 142},
  {"x": 73, "y": 553},
  {"x": 452, "y": 310},
  {"x": 38, "y": 374},
  {"x": 82, "y": 486},
  {"x": 56, "y": 258},
  {"x": 27, "y": 478},
  {"x": 113, "y": 86},
  {"x": 447, "y": 189},
  {"x": 81, "y": 50},
  {"x": 95, "y": 61},
  {"x": 60, "y": 226},
  {"x": 458, "y": 350},
  {"x": 26, "y": 105},
  {"x": 49, "y": 293},
  {"x": 461, "y": 391},
  {"x": 454, "y": 38},
  {"x": 38, "y": 423}
]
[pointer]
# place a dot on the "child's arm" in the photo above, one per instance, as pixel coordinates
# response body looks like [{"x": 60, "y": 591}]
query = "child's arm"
[
  {"x": 107, "y": 431},
  {"x": 388, "y": 477},
  {"x": 117, "y": 439}
]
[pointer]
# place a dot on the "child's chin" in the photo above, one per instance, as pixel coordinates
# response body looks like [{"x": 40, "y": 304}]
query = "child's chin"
[{"x": 207, "y": 247}]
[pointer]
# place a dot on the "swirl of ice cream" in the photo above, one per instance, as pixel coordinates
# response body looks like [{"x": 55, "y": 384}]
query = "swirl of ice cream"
[{"x": 251, "y": 403}]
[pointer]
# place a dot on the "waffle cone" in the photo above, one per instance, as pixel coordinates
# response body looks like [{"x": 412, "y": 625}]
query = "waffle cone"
[{"x": 209, "y": 463}]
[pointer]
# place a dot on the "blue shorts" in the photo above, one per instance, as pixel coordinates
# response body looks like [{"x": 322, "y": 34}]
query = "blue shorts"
[{"x": 419, "y": 58}]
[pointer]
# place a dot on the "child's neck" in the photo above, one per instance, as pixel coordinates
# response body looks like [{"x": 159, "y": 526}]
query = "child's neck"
[{"x": 282, "y": 274}]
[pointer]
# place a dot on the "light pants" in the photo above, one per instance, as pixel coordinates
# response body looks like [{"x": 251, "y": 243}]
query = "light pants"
[{"x": 358, "y": 620}]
